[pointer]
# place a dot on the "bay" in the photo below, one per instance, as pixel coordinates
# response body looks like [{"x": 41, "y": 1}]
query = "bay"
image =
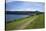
[{"x": 10, "y": 17}]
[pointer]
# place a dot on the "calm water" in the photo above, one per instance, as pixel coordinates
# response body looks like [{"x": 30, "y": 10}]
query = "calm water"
[{"x": 12, "y": 17}]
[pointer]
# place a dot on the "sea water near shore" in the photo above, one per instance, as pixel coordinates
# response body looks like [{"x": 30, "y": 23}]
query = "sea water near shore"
[{"x": 10, "y": 17}]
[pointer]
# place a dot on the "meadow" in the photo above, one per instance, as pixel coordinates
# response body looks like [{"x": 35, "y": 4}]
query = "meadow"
[{"x": 31, "y": 22}]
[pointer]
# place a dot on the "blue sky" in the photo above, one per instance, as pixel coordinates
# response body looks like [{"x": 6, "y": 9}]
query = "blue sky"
[{"x": 24, "y": 6}]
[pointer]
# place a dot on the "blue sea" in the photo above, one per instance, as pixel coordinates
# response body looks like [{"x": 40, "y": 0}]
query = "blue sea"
[{"x": 10, "y": 17}]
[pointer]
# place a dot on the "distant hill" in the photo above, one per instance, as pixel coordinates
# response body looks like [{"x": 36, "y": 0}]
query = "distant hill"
[{"x": 22, "y": 12}]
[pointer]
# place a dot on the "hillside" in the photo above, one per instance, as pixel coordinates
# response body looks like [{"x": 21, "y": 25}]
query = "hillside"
[
  {"x": 22, "y": 12},
  {"x": 31, "y": 22}
]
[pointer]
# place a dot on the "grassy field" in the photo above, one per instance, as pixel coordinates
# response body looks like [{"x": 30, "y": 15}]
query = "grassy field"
[
  {"x": 37, "y": 23},
  {"x": 31, "y": 22}
]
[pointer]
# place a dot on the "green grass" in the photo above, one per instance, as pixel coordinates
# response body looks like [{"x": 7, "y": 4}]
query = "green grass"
[
  {"x": 38, "y": 23},
  {"x": 12, "y": 25}
]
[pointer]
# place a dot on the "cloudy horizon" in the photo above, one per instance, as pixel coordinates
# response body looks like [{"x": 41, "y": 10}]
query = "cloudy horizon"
[{"x": 24, "y": 6}]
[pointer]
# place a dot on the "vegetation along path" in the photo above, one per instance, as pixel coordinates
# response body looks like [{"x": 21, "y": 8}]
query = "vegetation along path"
[{"x": 25, "y": 23}]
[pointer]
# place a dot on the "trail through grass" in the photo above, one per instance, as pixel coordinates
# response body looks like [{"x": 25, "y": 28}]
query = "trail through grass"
[
  {"x": 31, "y": 22},
  {"x": 24, "y": 24},
  {"x": 37, "y": 23}
]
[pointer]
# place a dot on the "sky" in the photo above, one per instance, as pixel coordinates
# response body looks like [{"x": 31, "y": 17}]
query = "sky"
[
  {"x": 27, "y": 0},
  {"x": 13, "y": 5}
]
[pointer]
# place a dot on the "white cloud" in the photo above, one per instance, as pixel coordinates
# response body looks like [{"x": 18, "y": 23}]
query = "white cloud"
[
  {"x": 28, "y": 9},
  {"x": 10, "y": 9}
]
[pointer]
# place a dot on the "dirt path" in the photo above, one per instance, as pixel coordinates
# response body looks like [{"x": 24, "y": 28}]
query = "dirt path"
[{"x": 26, "y": 22}]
